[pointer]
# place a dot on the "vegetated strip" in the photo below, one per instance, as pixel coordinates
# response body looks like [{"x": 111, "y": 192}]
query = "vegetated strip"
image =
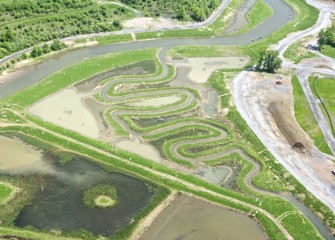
[
  {"x": 5, "y": 191},
  {"x": 259, "y": 13},
  {"x": 324, "y": 90},
  {"x": 306, "y": 16},
  {"x": 76, "y": 73},
  {"x": 328, "y": 50},
  {"x": 306, "y": 118}
]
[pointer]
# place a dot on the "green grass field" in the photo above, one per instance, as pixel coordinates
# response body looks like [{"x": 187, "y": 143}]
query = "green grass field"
[
  {"x": 5, "y": 192},
  {"x": 258, "y": 14},
  {"x": 297, "y": 52},
  {"x": 328, "y": 50},
  {"x": 325, "y": 87},
  {"x": 305, "y": 117}
]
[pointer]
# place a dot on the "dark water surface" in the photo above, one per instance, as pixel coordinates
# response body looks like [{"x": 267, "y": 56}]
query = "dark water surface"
[{"x": 59, "y": 205}]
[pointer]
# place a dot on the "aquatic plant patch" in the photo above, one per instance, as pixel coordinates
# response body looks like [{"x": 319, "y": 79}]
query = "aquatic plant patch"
[{"x": 100, "y": 196}]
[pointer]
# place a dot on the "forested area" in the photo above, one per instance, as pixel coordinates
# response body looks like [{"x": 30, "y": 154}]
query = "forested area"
[
  {"x": 25, "y": 23},
  {"x": 197, "y": 10}
]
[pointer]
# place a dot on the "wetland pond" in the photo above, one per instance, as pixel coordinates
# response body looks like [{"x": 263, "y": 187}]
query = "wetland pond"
[{"x": 58, "y": 204}]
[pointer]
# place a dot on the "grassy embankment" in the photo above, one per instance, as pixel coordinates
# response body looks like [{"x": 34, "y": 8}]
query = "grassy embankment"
[
  {"x": 328, "y": 50},
  {"x": 76, "y": 73},
  {"x": 306, "y": 118},
  {"x": 259, "y": 13},
  {"x": 298, "y": 51},
  {"x": 15, "y": 193},
  {"x": 5, "y": 192},
  {"x": 306, "y": 16},
  {"x": 325, "y": 88}
]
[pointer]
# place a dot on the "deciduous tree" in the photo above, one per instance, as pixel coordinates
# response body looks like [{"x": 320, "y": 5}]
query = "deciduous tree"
[{"x": 269, "y": 61}]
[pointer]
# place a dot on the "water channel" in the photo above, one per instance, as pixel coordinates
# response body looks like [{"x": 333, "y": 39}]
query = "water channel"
[{"x": 71, "y": 190}]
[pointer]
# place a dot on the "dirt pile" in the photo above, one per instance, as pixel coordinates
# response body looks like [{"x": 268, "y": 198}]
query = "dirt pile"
[{"x": 287, "y": 126}]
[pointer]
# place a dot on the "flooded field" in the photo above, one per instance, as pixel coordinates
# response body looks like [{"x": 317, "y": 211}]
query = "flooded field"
[
  {"x": 202, "y": 68},
  {"x": 16, "y": 156},
  {"x": 58, "y": 204},
  {"x": 67, "y": 109},
  {"x": 191, "y": 219},
  {"x": 145, "y": 150}
]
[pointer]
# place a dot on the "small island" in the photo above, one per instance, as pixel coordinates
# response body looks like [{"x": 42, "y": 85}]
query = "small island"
[{"x": 100, "y": 196}]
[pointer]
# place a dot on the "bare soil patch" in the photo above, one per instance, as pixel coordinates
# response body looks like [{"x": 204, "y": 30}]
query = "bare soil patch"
[
  {"x": 147, "y": 23},
  {"x": 268, "y": 109},
  {"x": 281, "y": 113}
]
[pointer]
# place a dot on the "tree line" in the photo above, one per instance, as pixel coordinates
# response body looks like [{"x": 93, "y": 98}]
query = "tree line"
[
  {"x": 197, "y": 10},
  {"x": 25, "y": 23}
]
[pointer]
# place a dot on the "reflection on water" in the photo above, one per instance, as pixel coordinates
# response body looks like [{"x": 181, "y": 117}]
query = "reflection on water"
[{"x": 58, "y": 205}]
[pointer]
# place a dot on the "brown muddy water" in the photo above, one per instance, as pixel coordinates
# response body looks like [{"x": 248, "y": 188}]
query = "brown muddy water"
[
  {"x": 58, "y": 203},
  {"x": 192, "y": 219},
  {"x": 17, "y": 156}
]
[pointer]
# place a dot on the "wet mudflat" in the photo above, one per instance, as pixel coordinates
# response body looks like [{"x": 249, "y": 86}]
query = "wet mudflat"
[
  {"x": 58, "y": 204},
  {"x": 16, "y": 155},
  {"x": 189, "y": 218}
]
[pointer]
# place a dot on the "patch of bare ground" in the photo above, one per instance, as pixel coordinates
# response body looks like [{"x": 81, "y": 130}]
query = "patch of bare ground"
[
  {"x": 281, "y": 113},
  {"x": 318, "y": 62},
  {"x": 268, "y": 109}
]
